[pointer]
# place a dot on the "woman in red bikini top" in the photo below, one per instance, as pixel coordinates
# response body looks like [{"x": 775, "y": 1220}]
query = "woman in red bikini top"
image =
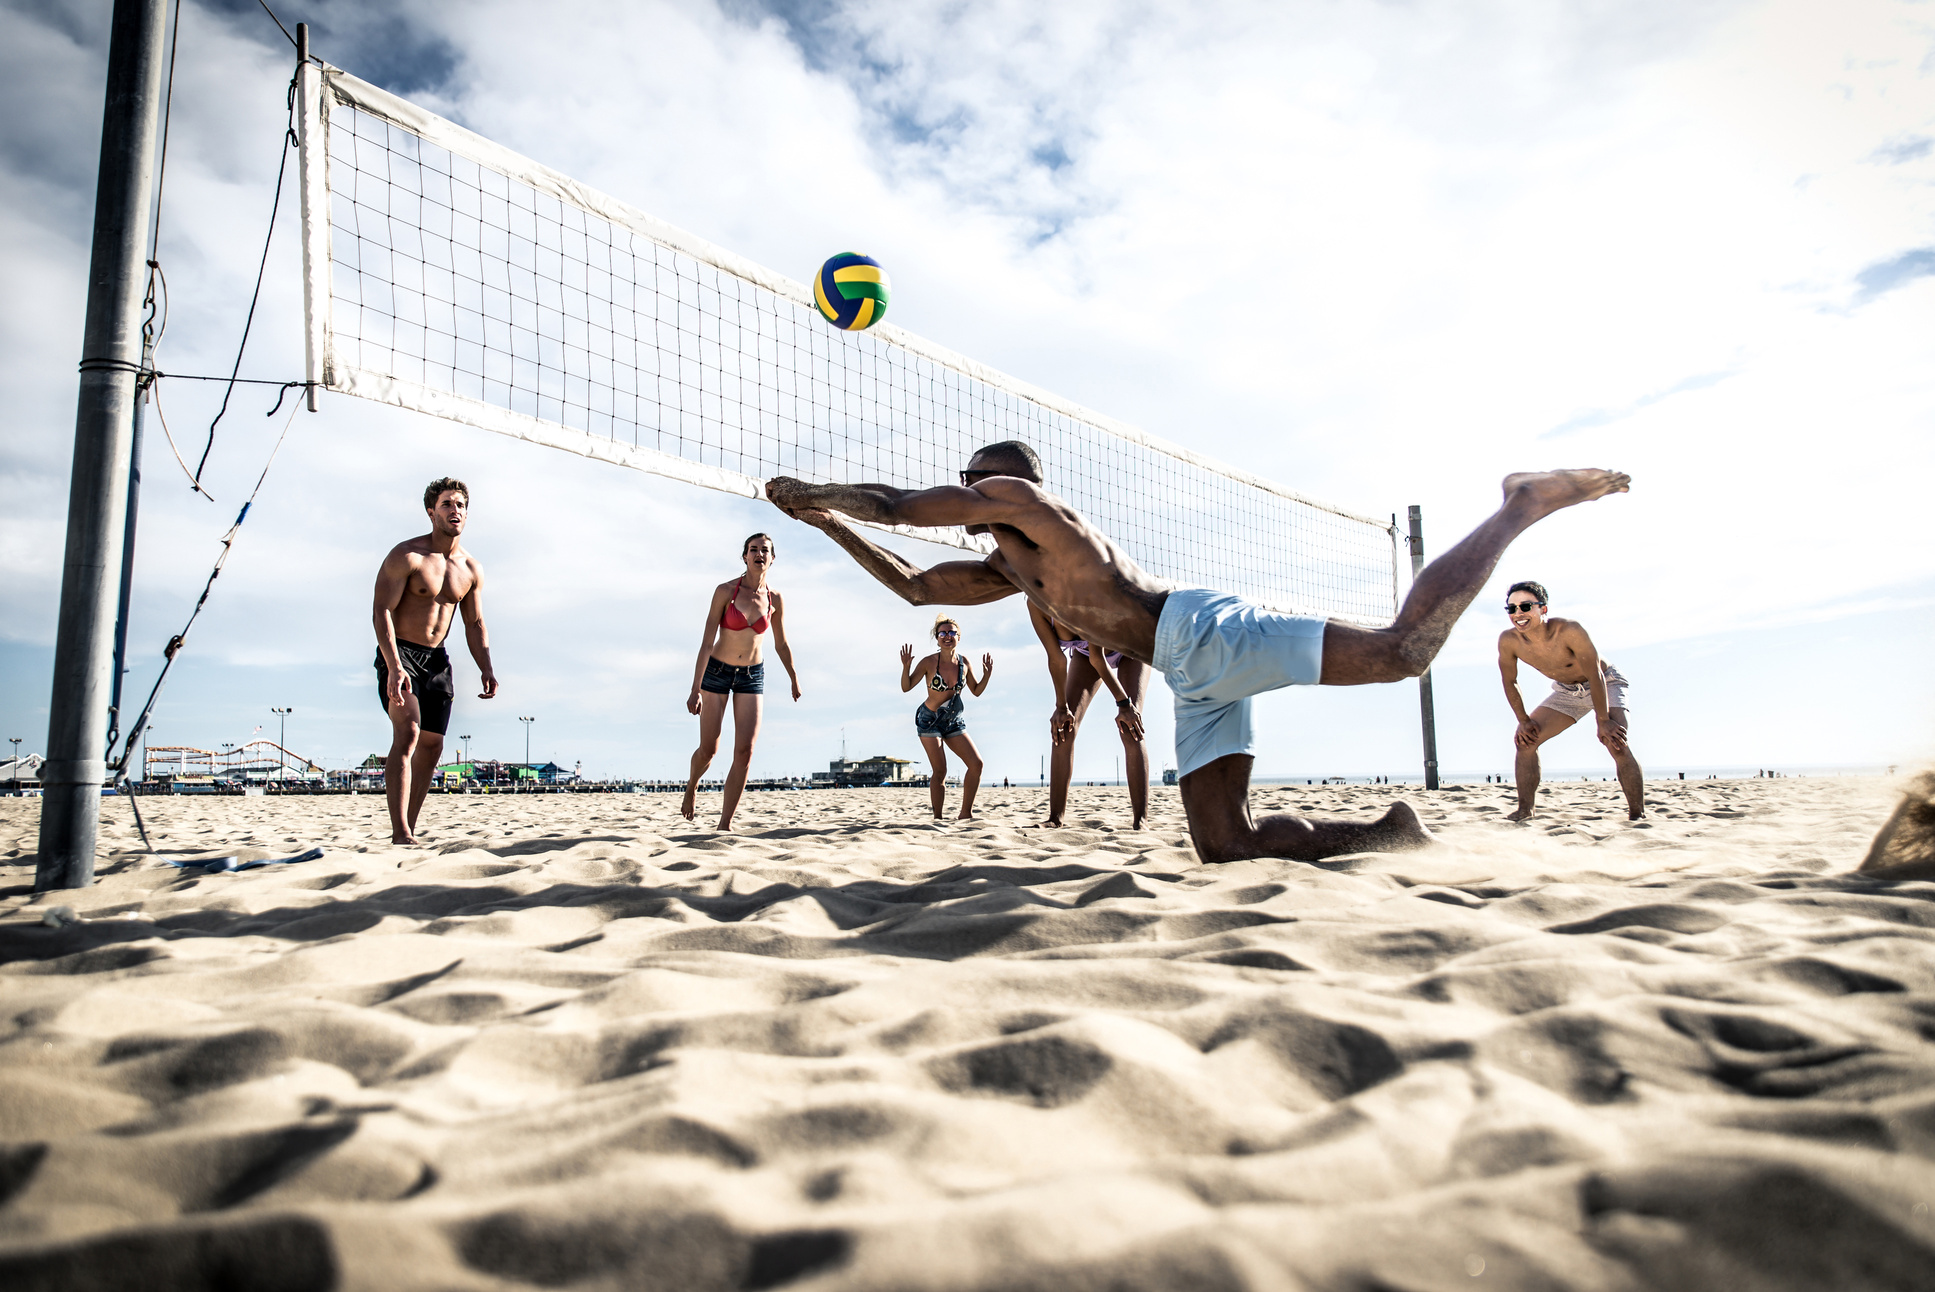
[{"x": 730, "y": 671}]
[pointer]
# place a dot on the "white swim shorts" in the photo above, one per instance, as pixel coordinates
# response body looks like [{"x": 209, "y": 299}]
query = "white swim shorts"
[
  {"x": 1574, "y": 699},
  {"x": 1216, "y": 651}
]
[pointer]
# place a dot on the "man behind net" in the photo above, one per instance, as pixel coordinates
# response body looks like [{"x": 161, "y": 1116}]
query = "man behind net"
[
  {"x": 1582, "y": 684},
  {"x": 422, "y": 585},
  {"x": 1215, "y": 650}
]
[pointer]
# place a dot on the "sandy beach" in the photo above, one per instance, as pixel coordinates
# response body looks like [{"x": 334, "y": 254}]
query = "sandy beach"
[{"x": 573, "y": 1042}]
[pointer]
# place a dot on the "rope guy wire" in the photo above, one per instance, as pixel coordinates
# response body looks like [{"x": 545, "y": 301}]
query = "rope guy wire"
[
  {"x": 277, "y": 21},
  {"x": 282, "y": 169},
  {"x": 149, "y": 376}
]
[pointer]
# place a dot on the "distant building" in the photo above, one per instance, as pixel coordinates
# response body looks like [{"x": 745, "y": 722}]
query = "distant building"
[{"x": 877, "y": 770}]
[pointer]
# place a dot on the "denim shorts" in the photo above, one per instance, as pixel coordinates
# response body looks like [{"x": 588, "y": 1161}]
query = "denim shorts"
[
  {"x": 734, "y": 679},
  {"x": 948, "y": 720}
]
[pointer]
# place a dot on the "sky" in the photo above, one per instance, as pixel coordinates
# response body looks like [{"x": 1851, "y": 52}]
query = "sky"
[{"x": 1381, "y": 253}]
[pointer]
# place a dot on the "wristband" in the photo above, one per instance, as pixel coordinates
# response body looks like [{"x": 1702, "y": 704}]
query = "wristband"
[{"x": 1120, "y": 703}]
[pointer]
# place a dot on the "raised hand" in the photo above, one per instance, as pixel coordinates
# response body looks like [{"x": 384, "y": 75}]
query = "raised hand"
[
  {"x": 789, "y": 495},
  {"x": 987, "y": 667},
  {"x": 906, "y": 658}
]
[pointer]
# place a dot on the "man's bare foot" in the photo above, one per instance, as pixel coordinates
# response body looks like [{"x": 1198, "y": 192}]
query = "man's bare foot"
[
  {"x": 1544, "y": 492},
  {"x": 1398, "y": 830},
  {"x": 1523, "y": 814},
  {"x": 690, "y": 805},
  {"x": 965, "y": 816},
  {"x": 398, "y": 837},
  {"x": 1636, "y": 816},
  {"x": 1139, "y": 824}
]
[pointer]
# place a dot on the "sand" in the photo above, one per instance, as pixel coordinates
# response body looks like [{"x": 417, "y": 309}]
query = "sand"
[{"x": 575, "y": 1043}]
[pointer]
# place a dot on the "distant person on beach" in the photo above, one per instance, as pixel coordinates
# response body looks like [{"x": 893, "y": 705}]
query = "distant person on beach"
[
  {"x": 939, "y": 719},
  {"x": 730, "y": 670},
  {"x": 420, "y": 586},
  {"x": 1076, "y": 671},
  {"x": 1582, "y": 684},
  {"x": 1214, "y": 649}
]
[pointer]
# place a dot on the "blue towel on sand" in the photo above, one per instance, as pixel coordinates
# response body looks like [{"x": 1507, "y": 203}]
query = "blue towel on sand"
[{"x": 216, "y": 864}]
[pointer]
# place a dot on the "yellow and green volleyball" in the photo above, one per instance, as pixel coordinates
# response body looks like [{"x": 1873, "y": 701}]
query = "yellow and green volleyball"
[{"x": 851, "y": 291}]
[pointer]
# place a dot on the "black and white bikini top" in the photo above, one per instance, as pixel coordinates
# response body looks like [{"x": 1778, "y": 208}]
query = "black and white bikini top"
[{"x": 935, "y": 683}]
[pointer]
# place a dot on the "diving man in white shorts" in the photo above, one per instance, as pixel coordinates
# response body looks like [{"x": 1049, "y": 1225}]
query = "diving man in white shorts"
[
  {"x": 1215, "y": 650},
  {"x": 1582, "y": 683}
]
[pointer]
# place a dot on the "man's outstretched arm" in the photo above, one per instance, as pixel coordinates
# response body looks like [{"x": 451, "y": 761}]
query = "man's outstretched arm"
[
  {"x": 954, "y": 583},
  {"x": 885, "y": 505}
]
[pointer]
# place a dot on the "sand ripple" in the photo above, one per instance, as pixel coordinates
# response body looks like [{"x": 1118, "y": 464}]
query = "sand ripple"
[{"x": 576, "y": 1043}]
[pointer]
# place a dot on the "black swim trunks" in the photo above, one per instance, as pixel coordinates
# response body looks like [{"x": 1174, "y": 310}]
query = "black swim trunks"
[
  {"x": 428, "y": 668},
  {"x": 733, "y": 679}
]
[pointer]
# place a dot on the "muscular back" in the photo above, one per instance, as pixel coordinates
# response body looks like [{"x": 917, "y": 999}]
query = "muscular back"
[
  {"x": 1069, "y": 568},
  {"x": 1044, "y": 549}
]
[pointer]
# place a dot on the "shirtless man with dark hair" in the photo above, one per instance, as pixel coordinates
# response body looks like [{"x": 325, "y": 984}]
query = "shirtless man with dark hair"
[
  {"x": 1582, "y": 683},
  {"x": 423, "y": 583},
  {"x": 1214, "y": 650}
]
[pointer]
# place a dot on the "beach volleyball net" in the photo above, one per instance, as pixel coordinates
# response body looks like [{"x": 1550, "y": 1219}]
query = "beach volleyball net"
[{"x": 448, "y": 275}]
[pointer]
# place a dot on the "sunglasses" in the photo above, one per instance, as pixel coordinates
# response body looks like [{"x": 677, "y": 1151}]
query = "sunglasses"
[
  {"x": 969, "y": 477},
  {"x": 1521, "y": 607},
  {"x": 946, "y": 632}
]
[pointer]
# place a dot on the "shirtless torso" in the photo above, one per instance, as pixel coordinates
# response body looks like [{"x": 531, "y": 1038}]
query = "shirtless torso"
[
  {"x": 1563, "y": 651},
  {"x": 430, "y": 586},
  {"x": 1044, "y": 549}
]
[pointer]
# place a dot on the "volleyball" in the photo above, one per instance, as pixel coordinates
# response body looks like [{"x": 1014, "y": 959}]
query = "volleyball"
[{"x": 851, "y": 291}]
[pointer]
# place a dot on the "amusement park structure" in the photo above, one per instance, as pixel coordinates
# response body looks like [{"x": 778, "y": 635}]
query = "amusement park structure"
[{"x": 258, "y": 760}]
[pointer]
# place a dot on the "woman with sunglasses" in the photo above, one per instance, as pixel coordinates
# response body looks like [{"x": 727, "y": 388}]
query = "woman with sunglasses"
[
  {"x": 730, "y": 670},
  {"x": 939, "y": 721}
]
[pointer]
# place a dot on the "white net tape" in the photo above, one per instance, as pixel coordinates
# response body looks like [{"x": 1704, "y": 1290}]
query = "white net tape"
[{"x": 449, "y": 275}]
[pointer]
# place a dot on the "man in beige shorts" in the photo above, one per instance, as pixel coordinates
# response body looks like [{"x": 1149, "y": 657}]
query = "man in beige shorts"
[{"x": 1582, "y": 684}]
